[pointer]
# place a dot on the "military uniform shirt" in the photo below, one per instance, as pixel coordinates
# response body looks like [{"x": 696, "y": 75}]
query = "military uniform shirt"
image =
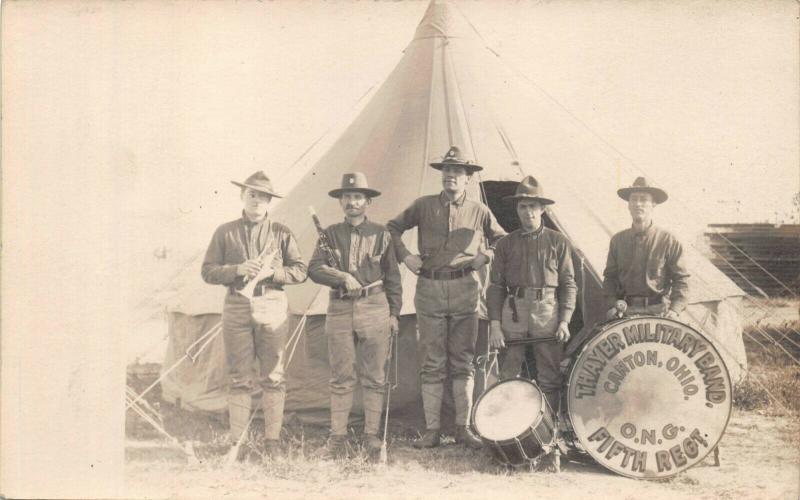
[
  {"x": 367, "y": 254},
  {"x": 240, "y": 240},
  {"x": 537, "y": 259},
  {"x": 647, "y": 264},
  {"x": 450, "y": 233}
]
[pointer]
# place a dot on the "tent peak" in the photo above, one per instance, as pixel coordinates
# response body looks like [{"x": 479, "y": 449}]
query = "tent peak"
[{"x": 443, "y": 19}]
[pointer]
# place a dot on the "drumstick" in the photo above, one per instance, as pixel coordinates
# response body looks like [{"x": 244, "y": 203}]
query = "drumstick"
[{"x": 514, "y": 342}]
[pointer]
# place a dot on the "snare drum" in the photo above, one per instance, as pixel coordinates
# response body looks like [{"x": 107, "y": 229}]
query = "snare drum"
[{"x": 514, "y": 421}]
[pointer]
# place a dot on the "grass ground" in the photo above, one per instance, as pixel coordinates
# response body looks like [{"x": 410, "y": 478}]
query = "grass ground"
[
  {"x": 772, "y": 342},
  {"x": 760, "y": 452}
]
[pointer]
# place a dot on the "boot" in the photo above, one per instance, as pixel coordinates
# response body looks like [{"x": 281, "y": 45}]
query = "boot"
[
  {"x": 432, "y": 404},
  {"x": 239, "y": 408},
  {"x": 372, "y": 444},
  {"x": 431, "y": 439},
  {"x": 340, "y": 413},
  {"x": 272, "y": 406},
  {"x": 465, "y": 436},
  {"x": 462, "y": 399},
  {"x": 272, "y": 448},
  {"x": 338, "y": 446}
]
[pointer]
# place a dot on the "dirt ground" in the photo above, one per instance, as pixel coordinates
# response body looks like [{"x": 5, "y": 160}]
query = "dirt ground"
[{"x": 760, "y": 459}]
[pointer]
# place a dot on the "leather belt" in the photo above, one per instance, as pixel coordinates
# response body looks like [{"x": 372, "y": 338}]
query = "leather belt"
[
  {"x": 522, "y": 292},
  {"x": 445, "y": 275},
  {"x": 643, "y": 300},
  {"x": 259, "y": 290},
  {"x": 364, "y": 292}
]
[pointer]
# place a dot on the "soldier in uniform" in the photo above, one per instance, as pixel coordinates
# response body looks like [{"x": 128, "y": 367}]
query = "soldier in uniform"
[
  {"x": 451, "y": 232},
  {"x": 645, "y": 267},
  {"x": 532, "y": 291},
  {"x": 365, "y": 302},
  {"x": 254, "y": 247}
]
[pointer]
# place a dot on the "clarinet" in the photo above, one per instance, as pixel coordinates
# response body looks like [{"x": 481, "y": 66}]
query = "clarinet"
[{"x": 325, "y": 244}]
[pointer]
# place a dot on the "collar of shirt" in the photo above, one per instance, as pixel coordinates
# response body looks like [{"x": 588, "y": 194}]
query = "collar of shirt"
[
  {"x": 357, "y": 228},
  {"x": 532, "y": 234},
  {"x": 249, "y": 223},
  {"x": 643, "y": 234},
  {"x": 457, "y": 202}
]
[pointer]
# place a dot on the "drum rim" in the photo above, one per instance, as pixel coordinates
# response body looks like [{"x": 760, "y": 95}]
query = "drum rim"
[
  {"x": 533, "y": 425},
  {"x": 605, "y": 326}
]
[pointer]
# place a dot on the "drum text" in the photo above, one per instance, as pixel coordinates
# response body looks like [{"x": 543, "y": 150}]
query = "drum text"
[
  {"x": 677, "y": 456},
  {"x": 607, "y": 351},
  {"x": 626, "y": 365}
]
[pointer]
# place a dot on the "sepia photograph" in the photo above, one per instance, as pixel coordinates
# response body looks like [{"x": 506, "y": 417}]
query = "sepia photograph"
[{"x": 400, "y": 249}]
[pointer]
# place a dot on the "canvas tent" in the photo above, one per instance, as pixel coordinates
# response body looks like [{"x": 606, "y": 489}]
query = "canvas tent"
[{"x": 447, "y": 89}]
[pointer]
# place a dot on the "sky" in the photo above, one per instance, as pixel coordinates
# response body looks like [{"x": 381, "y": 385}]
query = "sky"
[{"x": 148, "y": 109}]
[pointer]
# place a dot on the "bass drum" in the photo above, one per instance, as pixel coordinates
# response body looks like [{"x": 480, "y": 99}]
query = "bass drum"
[
  {"x": 514, "y": 421},
  {"x": 648, "y": 397}
]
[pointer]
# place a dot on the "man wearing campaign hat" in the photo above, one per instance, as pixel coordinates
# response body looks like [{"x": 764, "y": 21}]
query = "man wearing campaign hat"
[
  {"x": 532, "y": 291},
  {"x": 365, "y": 301},
  {"x": 452, "y": 233},
  {"x": 646, "y": 269},
  {"x": 254, "y": 247}
]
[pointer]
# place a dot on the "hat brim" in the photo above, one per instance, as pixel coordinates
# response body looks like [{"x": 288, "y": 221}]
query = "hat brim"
[
  {"x": 516, "y": 198},
  {"x": 257, "y": 188},
  {"x": 470, "y": 167},
  {"x": 659, "y": 195},
  {"x": 370, "y": 193}
]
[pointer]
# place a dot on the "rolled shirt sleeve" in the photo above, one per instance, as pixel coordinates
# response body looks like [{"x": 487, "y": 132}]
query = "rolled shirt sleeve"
[
  {"x": 493, "y": 231},
  {"x": 407, "y": 219}
]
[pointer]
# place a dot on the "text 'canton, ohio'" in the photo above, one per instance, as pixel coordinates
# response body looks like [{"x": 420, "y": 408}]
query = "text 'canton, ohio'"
[{"x": 608, "y": 352}]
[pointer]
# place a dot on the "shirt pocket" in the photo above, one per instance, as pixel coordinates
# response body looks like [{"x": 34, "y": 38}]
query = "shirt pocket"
[
  {"x": 656, "y": 272},
  {"x": 550, "y": 269},
  {"x": 374, "y": 265}
]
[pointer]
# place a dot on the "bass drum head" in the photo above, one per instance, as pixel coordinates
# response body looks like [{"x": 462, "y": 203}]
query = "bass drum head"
[
  {"x": 507, "y": 409},
  {"x": 649, "y": 397}
]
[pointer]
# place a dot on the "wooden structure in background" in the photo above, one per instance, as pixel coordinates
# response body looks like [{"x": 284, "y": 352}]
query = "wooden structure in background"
[{"x": 749, "y": 253}]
